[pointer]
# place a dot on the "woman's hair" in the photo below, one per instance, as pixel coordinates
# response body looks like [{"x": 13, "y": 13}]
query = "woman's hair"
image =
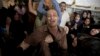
[
  {"x": 86, "y": 19},
  {"x": 89, "y": 12},
  {"x": 85, "y": 11}
]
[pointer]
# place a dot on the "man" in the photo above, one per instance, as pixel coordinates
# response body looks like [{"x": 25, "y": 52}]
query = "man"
[
  {"x": 65, "y": 16},
  {"x": 47, "y": 36}
]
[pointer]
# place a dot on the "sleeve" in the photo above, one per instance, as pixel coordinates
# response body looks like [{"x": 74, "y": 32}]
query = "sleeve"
[
  {"x": 64, "y": 42},
  {"x": 67, "y": 16},
  {"x": 40, "y": 7},
  {"x": 63, "y": 45},
  {"x": 57, "y": 8},
  {"x": 35, "y": 38}
]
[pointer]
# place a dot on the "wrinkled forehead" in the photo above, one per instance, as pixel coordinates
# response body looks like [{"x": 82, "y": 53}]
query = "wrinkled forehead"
[{"x": 52, "y": 12}]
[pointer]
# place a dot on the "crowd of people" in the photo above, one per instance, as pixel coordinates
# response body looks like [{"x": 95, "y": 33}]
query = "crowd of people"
[{"x": 45, "y": 28}]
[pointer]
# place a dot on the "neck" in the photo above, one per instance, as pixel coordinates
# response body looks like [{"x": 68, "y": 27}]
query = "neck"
[
  {"x": 62, "y": 11},
  {"x": 53, "y": 28}
]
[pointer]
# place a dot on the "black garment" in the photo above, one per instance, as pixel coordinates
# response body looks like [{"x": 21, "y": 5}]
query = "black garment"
[
  {"x": 17, "y": 31},
  {"x": 7, "y": 44},
  {"x": 55, "y": 49},
  {"x": 17, "y": 36},
  {"x": 3, "y": 15},
  {"x": 84, "y": 29},
  {"x": 92, "y": 21},
  {"x": 29, "y": 24}
]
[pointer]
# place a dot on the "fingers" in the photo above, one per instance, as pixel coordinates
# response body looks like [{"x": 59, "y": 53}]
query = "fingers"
[
  {"x": 66, "y": 29},
  {"x": 49, "y": 39}
]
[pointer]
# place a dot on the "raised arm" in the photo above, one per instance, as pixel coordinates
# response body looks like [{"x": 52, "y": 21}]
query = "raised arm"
[
  {"x": 31, "y": 9},
  {"x": 57, "y": 8},
  {"x": 40, "y": 7},
  {"x": 33, "y": 39}
]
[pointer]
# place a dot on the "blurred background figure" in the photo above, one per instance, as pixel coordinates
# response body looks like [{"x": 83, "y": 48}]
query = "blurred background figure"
[
  {"x": 89, "y": 47},
  {"x": 65, "y": 16}
]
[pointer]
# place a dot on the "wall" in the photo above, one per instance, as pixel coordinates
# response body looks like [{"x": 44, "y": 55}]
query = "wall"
[{"x": 0, "y": 3}]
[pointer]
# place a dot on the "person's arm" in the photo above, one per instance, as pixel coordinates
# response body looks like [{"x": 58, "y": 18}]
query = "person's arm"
[
  {"x": 33, "y": 39},
  {"x": 40, "y": 7},
  {"x": 33, "y": 11},
  {"x": 57, "y": 8}
]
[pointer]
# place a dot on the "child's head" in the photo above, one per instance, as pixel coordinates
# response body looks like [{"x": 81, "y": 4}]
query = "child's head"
[
  {"x": 87, "y": 21},
  {"x": 77, "y": 18}
]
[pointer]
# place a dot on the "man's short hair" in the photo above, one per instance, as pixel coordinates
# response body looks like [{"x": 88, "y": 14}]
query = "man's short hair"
[{"x": 62, "y": 3}]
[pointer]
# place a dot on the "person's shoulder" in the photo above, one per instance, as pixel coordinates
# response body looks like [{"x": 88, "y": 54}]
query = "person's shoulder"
[{"x": 41, "y": 28}]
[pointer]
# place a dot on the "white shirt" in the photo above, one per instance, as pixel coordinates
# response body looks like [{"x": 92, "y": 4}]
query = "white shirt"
[{"x": 65, "y": 18}]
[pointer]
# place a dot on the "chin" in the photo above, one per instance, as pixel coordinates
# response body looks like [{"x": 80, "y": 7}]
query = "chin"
[{"x": 53, "y": 25}]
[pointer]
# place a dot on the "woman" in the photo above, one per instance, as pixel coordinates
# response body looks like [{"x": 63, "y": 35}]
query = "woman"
[
  {"x": 85, "y": 27},
  {"x": 84, "y": 15},
  {"x": 91, "y": 17}
]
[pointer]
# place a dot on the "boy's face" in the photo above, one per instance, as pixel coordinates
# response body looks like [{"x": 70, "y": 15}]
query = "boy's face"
[
  {"x": 63, "y": 6},
  {"x": 87, "y": 22}
]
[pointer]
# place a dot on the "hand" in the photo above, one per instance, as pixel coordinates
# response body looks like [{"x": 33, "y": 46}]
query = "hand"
[
  {"x": 66, "y": 29},
  {"x": 48, "y": 39},
  {"x": 75, "y": 26}
]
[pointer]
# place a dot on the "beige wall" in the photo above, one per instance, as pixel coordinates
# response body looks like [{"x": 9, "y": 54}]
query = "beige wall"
[{"x": 0, "y": 3}]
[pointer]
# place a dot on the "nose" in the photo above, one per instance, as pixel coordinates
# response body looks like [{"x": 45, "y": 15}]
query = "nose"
[{"x": 51, "y": 16}]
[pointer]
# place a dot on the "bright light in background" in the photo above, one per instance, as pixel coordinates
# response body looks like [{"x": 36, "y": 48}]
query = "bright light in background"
[{"x": 95, "y": 3}]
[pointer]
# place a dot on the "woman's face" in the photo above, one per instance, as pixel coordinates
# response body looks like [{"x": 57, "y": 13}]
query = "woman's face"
[
  {"x": 77, "y": 18},
  {"x": 87, "y": 21},
  {"x": 35, "y": 5},
  {"x": 47, "y": 2},
  {"x": 84, "y": 14}
]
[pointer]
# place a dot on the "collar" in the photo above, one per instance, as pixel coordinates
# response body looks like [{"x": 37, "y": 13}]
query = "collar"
[{"x": 46, "y": 28}]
